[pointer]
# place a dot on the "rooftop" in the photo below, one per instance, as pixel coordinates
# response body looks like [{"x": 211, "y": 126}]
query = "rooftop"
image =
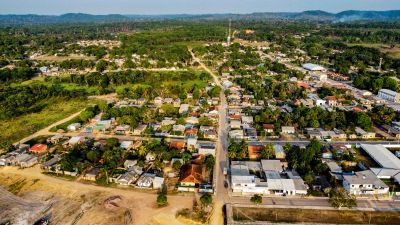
[{"x": 382, "y": 156}]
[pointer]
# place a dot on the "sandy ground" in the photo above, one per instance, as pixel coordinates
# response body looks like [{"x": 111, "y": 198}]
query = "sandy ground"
[
  {"x": 62, "y": 58},
  {"x": 70, "y": 198}
]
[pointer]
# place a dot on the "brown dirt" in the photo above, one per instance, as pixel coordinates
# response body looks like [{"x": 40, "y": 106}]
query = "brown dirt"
[{"x": 69, "y": 198}]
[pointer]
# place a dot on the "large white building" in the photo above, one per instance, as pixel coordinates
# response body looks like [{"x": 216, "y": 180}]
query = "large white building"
[
  {"x": 389, "y": 95},
  {"x": 313, "y": 67},
  {"x": 364, "y": 183}
]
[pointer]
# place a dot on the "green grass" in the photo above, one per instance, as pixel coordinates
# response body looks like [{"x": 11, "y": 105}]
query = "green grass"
[{"x": 12, "y": 130}]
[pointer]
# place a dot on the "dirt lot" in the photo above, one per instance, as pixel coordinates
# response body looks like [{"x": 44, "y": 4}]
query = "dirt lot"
[
  {"x": 315, "y": 216},
  {"x": 62, "y": 58},
  {"x": 27, "y": 195}
]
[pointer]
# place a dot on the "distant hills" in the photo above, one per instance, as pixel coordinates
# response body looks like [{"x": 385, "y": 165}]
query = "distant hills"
[{"x": 312, "y": 15}]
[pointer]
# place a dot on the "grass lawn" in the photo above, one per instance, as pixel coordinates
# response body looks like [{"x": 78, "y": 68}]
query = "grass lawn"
[{"x": 56, "y": 109}]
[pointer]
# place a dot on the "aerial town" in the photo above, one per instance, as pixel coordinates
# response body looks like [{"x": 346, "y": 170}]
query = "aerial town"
[{"x": 230, "y": 121}]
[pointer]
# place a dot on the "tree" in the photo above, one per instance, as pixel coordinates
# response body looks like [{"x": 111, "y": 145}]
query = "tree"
[
  {"x": 142, "y": 150},
  {"x": 206, "y": 199},
  {"x": 186, "y": 157},
  {"x": 177, "y": 165},
  {"x": 256, "y": 199},
  {"x": 268, "y": 151},
  {"x": 209, "y": 161},
  {"x": 339, "y": 198},
  {"x": 162, "y": 200}
]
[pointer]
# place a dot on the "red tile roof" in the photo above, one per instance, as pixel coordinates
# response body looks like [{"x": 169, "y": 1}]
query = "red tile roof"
[
  {"x": 177, "y": 145},
  {"x": 191, "y": 173},
  {"x": 255, "y": 151},
  {"x": 268, "y": 126}
]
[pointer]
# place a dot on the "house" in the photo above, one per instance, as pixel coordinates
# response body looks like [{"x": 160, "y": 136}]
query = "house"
[
  {"x": 139, "y": 130},
  {"x": 364, "y": 183},
  {"x": 158, "y": 182},
  {"x": 268, "y": 128},
  {"x": 279, "y": 152},
  {"x": 55, "y": 139},
  {"x": 255, "y": 151},
  {"x": 92, "y": 174},
  {"x": 313, "y": 67},
  {"x": 177, "y": 103},
  {"x": 168, "y": 100},
  {"x": 126, "y": 144},
  {"x": 158, "y": 101},
  {"x": 206, "y": 148},
  {"x": 167, "y": 121},
  {"x": 191, "y": 132},
  {"x": 235, "y": 124},
  {"x": 177, "y": 144},
  {"x": 326, "y": 154},
  {"x": 191, "y": 176},
  {"x": 191, "y": 142},
  {"x": 122, "y": 129},
  {"x": 38, "y": 149},
  {"x": 74, "y": 127},
  {"x": 178, "y": 128},
  {"x": 242, "y": 182},
  {"x": 129, "y": 163},
  {"x": 192, "y": 120},
  {"x": 236, "y": 134},
  {"x": 183, "y": 109},
  {"x": 146, "y": 180},
  {"x": 288, "y": 130},
  {"x": 331, "y": 101},
  {"x": 102, "y": 126},
  {"x": 247, "y": 120},
  {"x": 389, "y": 95},
  {"x": 210, "y": 134},
  {"x": 74, "y": 141},
  {"x": 363, "y": 134},
  {"x": 52, "y": 164},
  {"x": 127, "y": 178}
]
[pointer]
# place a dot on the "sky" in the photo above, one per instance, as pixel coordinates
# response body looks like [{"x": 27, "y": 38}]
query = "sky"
[{"x": 56, "y": 7}]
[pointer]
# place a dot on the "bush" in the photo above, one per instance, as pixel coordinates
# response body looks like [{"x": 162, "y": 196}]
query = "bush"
[{"x": 162, "y": 200}]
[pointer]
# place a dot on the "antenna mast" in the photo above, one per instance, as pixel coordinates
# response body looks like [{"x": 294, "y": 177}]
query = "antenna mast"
[{"x": 229, "y": 32}]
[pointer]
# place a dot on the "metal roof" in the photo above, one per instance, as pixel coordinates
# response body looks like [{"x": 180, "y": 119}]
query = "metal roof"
[{"x": 382, "y": 156}]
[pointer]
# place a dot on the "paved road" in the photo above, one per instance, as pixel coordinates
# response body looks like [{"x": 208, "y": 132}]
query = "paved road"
[{"x": 220, "y": 192}]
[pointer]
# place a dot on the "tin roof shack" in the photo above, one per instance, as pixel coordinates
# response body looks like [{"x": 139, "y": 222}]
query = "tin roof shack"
[
  {"x": 52, "y": 165},
  {"x": 25, "y": 160}
]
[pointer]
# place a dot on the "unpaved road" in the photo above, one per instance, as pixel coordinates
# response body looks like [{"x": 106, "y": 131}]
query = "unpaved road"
[{"x": 45, "y": 131}]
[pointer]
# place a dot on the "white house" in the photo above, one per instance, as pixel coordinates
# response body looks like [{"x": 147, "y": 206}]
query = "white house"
[
  {"x": 364, "y": 183},
  {"x": 288, "y": 130}
]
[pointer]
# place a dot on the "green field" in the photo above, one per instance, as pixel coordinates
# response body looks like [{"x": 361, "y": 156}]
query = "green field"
[{"x": 56, "y": 109}]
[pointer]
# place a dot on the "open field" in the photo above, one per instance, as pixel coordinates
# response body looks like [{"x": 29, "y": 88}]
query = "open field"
[
  {"x": 29, "y": 192},
  {"x": 55, "y": 58},
  {"x": 314, "y": 216},
  {"x": 56, "y": 109},
  {"x": 393, "y": 51}
]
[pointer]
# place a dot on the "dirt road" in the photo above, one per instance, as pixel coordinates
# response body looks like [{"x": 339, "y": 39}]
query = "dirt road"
[{"x": 45, "y": 131}]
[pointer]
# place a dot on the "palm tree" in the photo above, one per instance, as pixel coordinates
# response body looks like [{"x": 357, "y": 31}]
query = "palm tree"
[{"x": 142, "y": 150}]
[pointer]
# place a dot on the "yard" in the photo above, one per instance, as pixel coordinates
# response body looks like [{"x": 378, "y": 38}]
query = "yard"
[
  {"x": 56, "y": 109},
  {"x": 314, "y": 216}
]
